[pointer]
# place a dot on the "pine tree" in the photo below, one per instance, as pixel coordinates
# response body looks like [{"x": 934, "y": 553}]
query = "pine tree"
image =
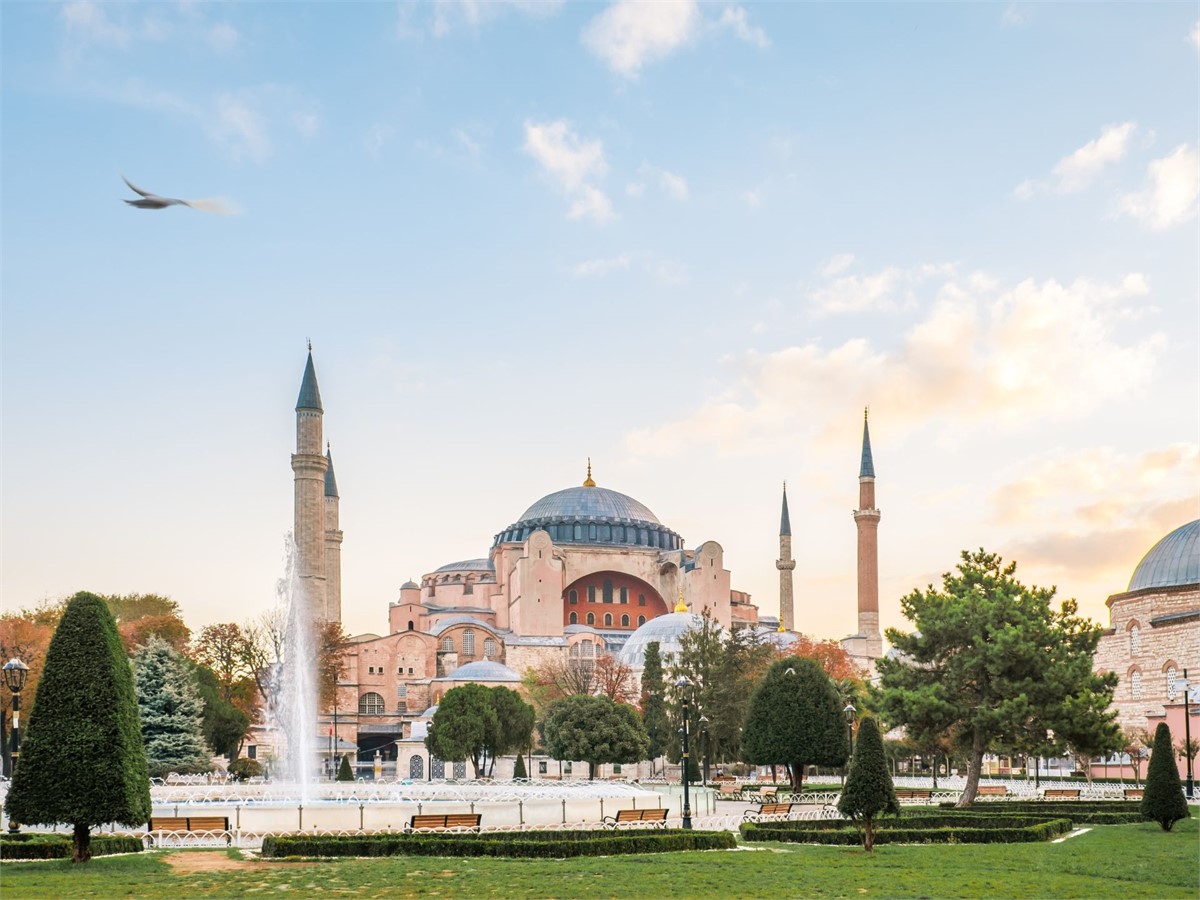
[
  {"x": 344, "y": 771},
  {"x": 654, "y": 705},
  {"x": 1162, "y": 800},
  {"x": 868, "y": 789},
  {"x": 82, "y": 760},
  {"x": 172, "y": 711}
]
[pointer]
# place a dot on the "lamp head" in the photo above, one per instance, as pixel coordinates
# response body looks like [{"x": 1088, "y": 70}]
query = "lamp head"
[
  {"x": 849, "y": 712},
  {"x": 15, "y": 673}
]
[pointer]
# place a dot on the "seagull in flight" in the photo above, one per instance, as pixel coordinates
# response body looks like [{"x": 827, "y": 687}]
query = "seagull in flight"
[{"x": 146, "y": 200}]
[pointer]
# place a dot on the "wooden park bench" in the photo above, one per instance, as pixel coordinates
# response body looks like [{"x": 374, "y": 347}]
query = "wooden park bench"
[
  {"x": 441, "y": 823},
  {"x": 214, "y": 825},
  {"x": 914, "y": 794},
  {"x": 730, "y": 790},
  {"x": 1133, "y": 793},
  {"x": 656, "y": 817},
  {"x": 991, "y": 790},
  {"x": 768, "y": 809},
  {"x": 768, "y": 791},
  {"x": 1060, "y": 794}
]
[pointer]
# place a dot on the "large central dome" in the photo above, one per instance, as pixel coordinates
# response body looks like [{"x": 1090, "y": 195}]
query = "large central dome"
[
  {"x": 1172, "y": 562},
  {"x": 592, "y": 515}
]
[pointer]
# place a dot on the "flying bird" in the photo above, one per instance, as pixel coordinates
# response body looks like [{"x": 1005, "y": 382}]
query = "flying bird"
[{"x": 146, "y": 200}]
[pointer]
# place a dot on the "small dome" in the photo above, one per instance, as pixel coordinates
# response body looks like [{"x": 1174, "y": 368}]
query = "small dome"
[
  {"x": 484, "y": 670},
  {"x": 667, "y": 630},
  {"x": 1173, "y": 561},
  {"x": 410, "y": 586},
  {"x": 466, "y": 565}
]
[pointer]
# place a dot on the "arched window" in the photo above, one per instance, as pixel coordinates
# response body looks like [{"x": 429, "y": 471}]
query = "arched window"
[
  {"x": 489, "y": 648},
  {"x": 1172, "y": 682},
  {"x": 624, "y": 621},
  {"x": 1135, "y": 684},
  {"x": 574, "y": 619},
  {"x": 608, "y": 620},
  {"x": 573, "y": 596},
  {"x": 416, "y": 767},
  {"x": 447, "y": 645},
  {"x": 641, "y": 599},
  {"x": 624, "y": 595},
  {"x": 410, "y": 624},
  {"x": 591, "y": 593},
  {"x": 1135, "y": 640},
  {"x": 469, "y": 642},
  {"x": 469, "y": 587},
  {"x": 591, "y": 619},
  {"x": 608, "y": 590},
  {"x": 641, "y": 621},
  {"x": 370, "y": 704}
]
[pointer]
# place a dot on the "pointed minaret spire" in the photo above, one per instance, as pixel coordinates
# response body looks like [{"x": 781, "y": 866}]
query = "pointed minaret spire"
[
  {"x": 587, "y": 482},
  {"x": 330, "y": 481},
  {"x": 310, "y": 394},
  {"x": 866, "y": 468},
  {"x": 312, "y": 504},
  {"x": 785, "y": 564}
]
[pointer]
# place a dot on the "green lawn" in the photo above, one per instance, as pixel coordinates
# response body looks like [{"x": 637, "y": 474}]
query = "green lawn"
[{"x": 1113, "y": 861}]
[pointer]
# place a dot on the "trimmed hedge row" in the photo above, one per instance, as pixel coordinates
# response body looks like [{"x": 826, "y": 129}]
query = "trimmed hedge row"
[
  {"x": 1043, "y": 831},
  {"x": 1080, "y": 816},
  {"x": 1049, "y": 806},
  {"x": 26, "y": 845},
  {"x": 520, "y": 844}
]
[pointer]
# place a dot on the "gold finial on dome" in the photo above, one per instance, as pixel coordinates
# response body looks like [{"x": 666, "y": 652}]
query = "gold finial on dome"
[
  {"x": 588, "y": 481},
  {"x": 866, "y": 413},
  {"x": 781, "y": 629},
  {"x": 680, "y": 606}
]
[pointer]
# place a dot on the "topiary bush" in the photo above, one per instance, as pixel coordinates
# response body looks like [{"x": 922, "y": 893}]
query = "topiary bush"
[
  {"x": 519, "y": 767},
  {"x": 868, "y": 791},
  {"x": 839, "y": 833},
  {"x": 32, "y": 845},
  {"x": 243, "y": 768},
  {"x": 1162, "y": 800},
  {"x": 345, "y": 773}
]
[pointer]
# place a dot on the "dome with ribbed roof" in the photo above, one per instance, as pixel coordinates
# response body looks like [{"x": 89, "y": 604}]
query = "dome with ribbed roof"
[
  {"x": 1172, "y": 562},
  {"x": 484, "y": 670},
  {"x": 667, "y": 630}
]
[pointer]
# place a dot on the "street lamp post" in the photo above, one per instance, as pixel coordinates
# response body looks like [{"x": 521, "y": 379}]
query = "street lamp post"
[
  {"x": 683, "y": 685},
  {"x": 704, "y": 750},
  {"x": 15, "y": 673},
  {"x": 1187, "y": 732},
  {"x": 849, "y": 712}
]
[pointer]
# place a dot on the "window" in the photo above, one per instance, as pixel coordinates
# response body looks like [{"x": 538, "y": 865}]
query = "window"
[
  {"x": 641, "y": 599},
  {"x": 410, "y": 624},
  {"x": 252, "y": 751},
  {"x": 591, "y": 593},
  {"x": 608, "y": 590},
  {"x": 370, "y": 670},
  {"x": 410, "y": 671},
  {"x": 616, "y": 768},
  {"x": 370, "y": 704},
  {"x": 489, "y": 648},
  {"x": 574, "y": 619},
  {"x": 573, "y": 596},
  {"x": 608, "y": 620},
  {"x": 1172, "y": 683},
  {"x": 591, "y": 619},
  {"x": 641, "y": 621},
  {"x": 469, "y": 587},
  {"x": 624, "y": 621},
  {"x": 1135, "y": 640},
  {"x": 469, "y": 642},
  {"x": 447, "y": 645},
  {"x": 624, "y": 595},
  {"x": 402, "y": 692},
  {"x": 566, "y": 768},
  {"x": 542, "y": 767},
  {"x": 1135, "y": 685}
]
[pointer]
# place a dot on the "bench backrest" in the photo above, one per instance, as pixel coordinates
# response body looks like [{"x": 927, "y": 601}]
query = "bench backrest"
[
  {"x": 912, "y": 793},
  {"x": 189, "y": 823},
  {"x": 997, "y": 789},
  {"x": 775, "y": 809},
  {"x": 1133, "y": 793},
  {"x": 730, "y": 787},
  {"x": 641, "y": 815},
  {"x": 1062, "y": 792},
  {"x": 454, "y": 820}
]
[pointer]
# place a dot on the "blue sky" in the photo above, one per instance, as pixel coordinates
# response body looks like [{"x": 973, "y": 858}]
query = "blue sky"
[{"x": 691, "y": 241}]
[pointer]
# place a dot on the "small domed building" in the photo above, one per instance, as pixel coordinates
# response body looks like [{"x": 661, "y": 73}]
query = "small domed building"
[{"x": 1154, "y": 633}]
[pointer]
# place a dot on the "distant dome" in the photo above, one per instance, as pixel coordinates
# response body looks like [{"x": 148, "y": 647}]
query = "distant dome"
[
  {"x": 667, "y": 630},
  {"x": 592, "y": 515},
  {"x": 466, "y": 565},
  {"x": 484, "y": 670},
  {"x": 1172, "y": 562},
  {"x": 410, "y": 586}
]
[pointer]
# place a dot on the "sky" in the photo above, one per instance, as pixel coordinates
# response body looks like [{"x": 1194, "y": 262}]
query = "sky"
[{"x": 691, "y": 241}]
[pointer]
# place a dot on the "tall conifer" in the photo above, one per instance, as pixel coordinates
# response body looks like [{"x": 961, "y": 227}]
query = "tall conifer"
[
  {"x": 172, "y": 711},
  {"x": 1162, "y": 799},
  {"x": 654, "y": 704},
  {"x": 869, "y": 790}
]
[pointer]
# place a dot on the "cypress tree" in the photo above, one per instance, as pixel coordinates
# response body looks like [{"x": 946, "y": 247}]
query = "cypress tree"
[
  {"x": 868, "y": 789},
  {"x": 1162, "y": 799},
  {"x": 82, "y": 761},
  {"x": 654, "y": 706},
  {"x": 171, "y": 710},
  {"x": 344, "y": 772},
  {"x": 519, "y": 768}
]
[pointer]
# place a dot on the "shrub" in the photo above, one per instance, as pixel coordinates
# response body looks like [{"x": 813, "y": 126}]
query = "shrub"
[
  {"x": 900, "y": 834},
  {"x": 243, "y": 768},
  {"x": 519, "y": 767},
  {"x": 1163, "y": 801},
  {"x": 868, "y": 791},
  {"x": 58, "y": 846},
  {"x": 345, "y": 773}
]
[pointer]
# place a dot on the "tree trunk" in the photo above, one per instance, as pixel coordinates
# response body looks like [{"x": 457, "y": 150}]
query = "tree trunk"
[
  {"x": 592, "y": 770},
  {"x": 82, "y": 845},
  {"x": 974, "y": 767},
  {"x": 868, "y": 833}
]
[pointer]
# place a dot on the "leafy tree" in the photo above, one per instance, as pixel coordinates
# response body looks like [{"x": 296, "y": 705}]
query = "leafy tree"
[
  {"x": 832, "y": 656},
  {"x": 1162, "y": 800},
  {"x": 991, "y": 661},
  {"x": 82, "y": 760},
  {"x": 224, "y": 725},
  {"x": 654, "y": 703},
  {"x": 332, "y": 641},
  {"x": 345, "y": 773},
  {"x": 869, "y": 790},
  {"x": 171, "y": 711},
  {"x": 594, "y": 729},
  {"x": 795, "y": 720},
  {"x": 244, "y": 768},
  {"x": 170, "y": 629},
  {"x": 464, "y": 726}
]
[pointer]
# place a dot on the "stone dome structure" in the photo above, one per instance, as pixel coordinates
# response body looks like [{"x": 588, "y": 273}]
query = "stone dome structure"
[
  {"x": 1172, "y": 562},
  {"x": 485, "y": 670},
  {"x": 592, "y": 515},
  {"x": 667, "y": 630}
]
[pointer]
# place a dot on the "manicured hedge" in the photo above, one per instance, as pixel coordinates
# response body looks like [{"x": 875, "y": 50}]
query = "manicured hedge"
[
  {"x": 1048, "y": 806},
  {"x": 529, "y": 844},
  {"x": 33, "y": 845},
  {"x": 1078, "y": 814},
  {"x": 889, "y": 834}
]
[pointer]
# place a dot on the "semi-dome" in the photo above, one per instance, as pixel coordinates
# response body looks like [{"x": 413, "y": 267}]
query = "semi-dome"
[
  {"x": 592, "y": 515},
  {"x": 667, "y": 630},
  {"x": 484, "y": 670},
  {"x": 1173, "y": 561}
]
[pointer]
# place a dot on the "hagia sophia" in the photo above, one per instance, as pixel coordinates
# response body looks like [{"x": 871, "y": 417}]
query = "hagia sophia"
[{"x": 586, "y": 571}]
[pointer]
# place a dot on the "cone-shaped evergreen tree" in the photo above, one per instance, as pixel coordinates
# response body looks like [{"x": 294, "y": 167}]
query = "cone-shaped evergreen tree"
[
  {"x": 869, "y": 790},
  {"x": 654, "y": 704},
  {"x": 1162, "y": 800},
  {"x": 171, "y": 710},
  {"x": 519, "y": 767},
  {"x": 82, "y": 761},
  {"x": 344, "y": 771}
]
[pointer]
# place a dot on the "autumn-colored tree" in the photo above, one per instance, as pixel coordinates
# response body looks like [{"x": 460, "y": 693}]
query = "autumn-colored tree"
[
  {"x": 332, "y": 641},
  {"x": 832, "y": 657},
  {"x": 168, "y": 628},
  {"x": 24, "y": 635},
  {"x": 614, "y": 680}
]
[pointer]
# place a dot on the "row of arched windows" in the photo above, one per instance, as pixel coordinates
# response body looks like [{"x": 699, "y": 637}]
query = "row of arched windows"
[
  {"x": 1170, "y": 673},
  {"x": 590, "y": 619},
  {"x": 606, "y": 594},
  {"x": 468, "y": 644}
]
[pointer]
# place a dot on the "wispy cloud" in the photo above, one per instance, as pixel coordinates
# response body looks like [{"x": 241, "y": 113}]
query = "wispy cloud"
[
  {"x": 669, "y": 183},
  {"x": 376, "y": 138},
  {"x": 1015, "y": 14},
  {"x": 240, "y": 128},
  {"x": 837, "y": 264},
  {"x": 1078, "y": 170},
  {"x": 1169, "y": 196},
  {"x": 1016, "y": 356},
  {"x": 890, "y": 288},
  {"x": 88, "y": 20},
  {"x": 734, "y": 19},
  {"x": 93, "y": 24},
  {"x": 573, "y": 164},
  {"x": 594, "y": 268},
  {"x": 442, "y": 17}
]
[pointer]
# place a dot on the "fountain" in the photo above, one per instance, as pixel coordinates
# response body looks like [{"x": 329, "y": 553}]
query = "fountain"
[{"x": 296, "y": 708}]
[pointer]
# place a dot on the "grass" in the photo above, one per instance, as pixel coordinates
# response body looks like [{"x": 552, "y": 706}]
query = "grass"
[{"x": 1113, "y": 861}]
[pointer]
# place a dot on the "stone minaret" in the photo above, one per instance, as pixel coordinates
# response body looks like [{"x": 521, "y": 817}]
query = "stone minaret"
[
  {"x": 333, "y": 545},
  {"x": 785, "y": 564},
  {"x": 310, "y": 465},
  {"x": 866, "y": 517}
]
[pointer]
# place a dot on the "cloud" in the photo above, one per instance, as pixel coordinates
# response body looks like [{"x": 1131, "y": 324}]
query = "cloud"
[
  {"x": 631, "y": 33},
  {"x": 1012, "y": 357},
  {"x": 837, "y": 264},
  {"x": 223, "y": 37},
  {"x": 573, "y": 163},
  {"x": 89, "y": 21},
  {"x": 1015, "y": 14},
  {"x": 593, "y": 268},
  {"x": 1077, "y": 170},
  {"x": 668, "y": 182},
  {"x": 441, "y": 17},
  {"x": 1169, "y": 197},
  {"x": 376, "y": 137},
  {"x": 892, "y": 288},
  {"x": 306, "y": 123},
  {"x": 734, "y": 19},
  {"x": 752, "y": 197},
  {"x": 240, "y": 128},
  {"x": 667, "y": 271}
]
